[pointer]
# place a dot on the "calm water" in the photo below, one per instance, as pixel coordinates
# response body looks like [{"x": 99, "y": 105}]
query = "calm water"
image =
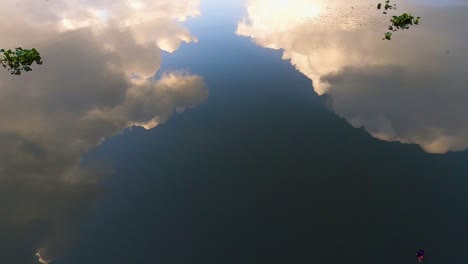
[{"x": 234, "y": 132}]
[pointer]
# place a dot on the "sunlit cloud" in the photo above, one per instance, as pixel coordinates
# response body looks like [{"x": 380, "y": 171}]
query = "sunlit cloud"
[
  {"x": 98, "y": 56},
  {"x": 410, "y": 89},
  {"x": 41, "y": 260}
]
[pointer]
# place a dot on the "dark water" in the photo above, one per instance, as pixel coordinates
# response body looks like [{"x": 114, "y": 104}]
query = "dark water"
[{"x": 262, "y": 171}]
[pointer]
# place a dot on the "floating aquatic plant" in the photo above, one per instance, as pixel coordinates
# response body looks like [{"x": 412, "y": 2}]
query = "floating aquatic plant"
[
  {"x": 388, "y": 36},
  {"x": 400, "y": 22},
  {"x": 404, "y": 21},
  {"x": 387, "y": 6},
  {"x": 19, "y": 60}
]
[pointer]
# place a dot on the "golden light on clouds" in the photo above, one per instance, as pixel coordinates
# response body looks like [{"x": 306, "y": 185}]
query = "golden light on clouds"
[
  {"x": 295, "y": 12},
  {"x": 41, "y": 260},
  {"x": 98, "y": 55},
  {"x": 384, "y": 87},
  {"x": 137, "y": 5}
]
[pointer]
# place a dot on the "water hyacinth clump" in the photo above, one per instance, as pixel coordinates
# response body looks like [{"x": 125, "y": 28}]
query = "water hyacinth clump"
[
  {"x": 402, "y": 22},
  {"x": 19, "y": 60},
  {"x": 388, "y": 36},
  {"x": 387, "y": 6}
]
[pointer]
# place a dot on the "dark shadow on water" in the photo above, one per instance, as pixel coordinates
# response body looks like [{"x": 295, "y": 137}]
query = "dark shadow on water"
[{"x": 263, "y": 173}]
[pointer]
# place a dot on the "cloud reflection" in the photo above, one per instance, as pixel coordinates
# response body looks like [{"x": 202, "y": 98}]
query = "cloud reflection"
[
  {"x": 98, "y": 55},
  {"x": 408, "y": 89}
]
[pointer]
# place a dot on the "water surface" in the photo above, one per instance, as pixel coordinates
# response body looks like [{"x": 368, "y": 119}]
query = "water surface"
[{"x": 234, "y": 132}]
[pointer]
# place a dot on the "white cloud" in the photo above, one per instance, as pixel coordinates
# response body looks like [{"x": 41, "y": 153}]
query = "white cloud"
[
  {"x": 408, "y": 89},
  {"x": 94, "y": 83}
]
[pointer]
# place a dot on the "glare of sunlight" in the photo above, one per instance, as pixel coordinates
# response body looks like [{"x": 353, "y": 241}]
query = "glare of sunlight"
[
  {"x": 135, "y": 4},
  {"x": 296, "y": 11},
  {"x": 300, "y": 9}
]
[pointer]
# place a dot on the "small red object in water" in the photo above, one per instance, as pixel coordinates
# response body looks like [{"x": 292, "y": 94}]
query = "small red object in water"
[{"x": 420, "y": 255}]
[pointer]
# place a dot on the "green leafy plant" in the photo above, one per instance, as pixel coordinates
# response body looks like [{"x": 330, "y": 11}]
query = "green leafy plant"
[
  {"x": 387, "y": 6},
  {"x": 404, "y": 21},
  {"x": 388, "y": 36},
  {"x": 19, "y": 60},
  {"x": 400, "y": 22}
]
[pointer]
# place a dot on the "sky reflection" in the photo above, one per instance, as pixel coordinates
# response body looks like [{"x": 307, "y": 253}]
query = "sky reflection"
[
  {"x": 94, "y": 83},
  {"x": 408, "y": 89},
  {"x": 260, "y": 172}
]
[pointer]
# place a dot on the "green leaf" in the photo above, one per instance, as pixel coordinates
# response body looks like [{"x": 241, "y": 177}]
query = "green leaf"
[
  {"x": 20, "y": 59},
  {"x": 388, "y": 35}
]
